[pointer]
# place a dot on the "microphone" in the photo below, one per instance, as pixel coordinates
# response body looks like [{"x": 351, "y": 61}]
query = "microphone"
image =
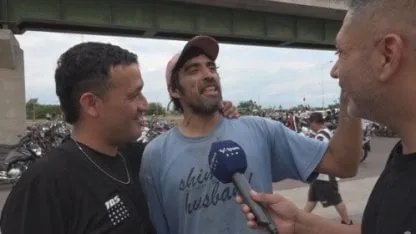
[{"x": 228, "y": 162}]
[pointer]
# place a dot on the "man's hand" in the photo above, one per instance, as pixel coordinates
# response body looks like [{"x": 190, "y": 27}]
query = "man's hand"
[
  {"x": 228, "y": 110},
  {"x": 283, "y": 212},
  {"x": 290, "y": 220}
]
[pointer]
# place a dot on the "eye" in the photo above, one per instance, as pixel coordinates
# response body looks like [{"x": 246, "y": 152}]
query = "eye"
[
  {"x": 135, "y": 95},
  {"x": 193, "y": 70},
  {"x": 213, "y": 67}
]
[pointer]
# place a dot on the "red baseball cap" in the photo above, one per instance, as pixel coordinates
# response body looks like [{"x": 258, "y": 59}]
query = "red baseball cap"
[{"x": 208, "y": 45}]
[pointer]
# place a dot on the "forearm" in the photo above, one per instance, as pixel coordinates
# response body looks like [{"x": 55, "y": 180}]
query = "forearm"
[
  {"x": 308, "y": 223},
  {"x": 346, "y": 144}
]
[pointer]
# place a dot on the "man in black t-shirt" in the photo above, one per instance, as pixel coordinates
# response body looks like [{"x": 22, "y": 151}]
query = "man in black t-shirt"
[
  {"x": 376, "y": 68},
  {"x": 90, "y": 183}
]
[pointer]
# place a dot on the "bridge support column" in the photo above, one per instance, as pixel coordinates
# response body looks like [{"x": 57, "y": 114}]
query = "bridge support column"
[{"x": 12, "y": 89}]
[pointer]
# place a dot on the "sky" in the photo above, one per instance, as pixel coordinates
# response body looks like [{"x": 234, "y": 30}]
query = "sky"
[{"x": 271, "y": 76}]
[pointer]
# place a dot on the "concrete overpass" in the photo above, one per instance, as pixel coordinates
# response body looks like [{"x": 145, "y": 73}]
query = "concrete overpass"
[{"x": 291, "y": 23}]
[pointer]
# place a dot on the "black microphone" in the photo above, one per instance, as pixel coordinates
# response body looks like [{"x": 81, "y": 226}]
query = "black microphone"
[{"x": 228, "y": 162}]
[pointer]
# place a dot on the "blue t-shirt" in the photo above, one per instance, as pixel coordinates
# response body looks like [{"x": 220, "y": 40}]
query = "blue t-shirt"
[{"x": 183, "y": 196}]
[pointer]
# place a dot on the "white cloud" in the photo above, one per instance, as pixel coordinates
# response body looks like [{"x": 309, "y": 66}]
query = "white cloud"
[{"x": 274, "y": 76}]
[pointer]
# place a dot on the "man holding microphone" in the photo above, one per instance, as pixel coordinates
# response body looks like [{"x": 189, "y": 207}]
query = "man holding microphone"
[{"x": 376, "y": 71}]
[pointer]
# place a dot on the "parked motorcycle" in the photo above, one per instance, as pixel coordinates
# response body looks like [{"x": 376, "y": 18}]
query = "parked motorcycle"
[
  {"x": 18, "y": 160},
  {"x": 38, "y": 141},
  {"x": 153, "y": 129},
  {"x": 144, "y": 138}
]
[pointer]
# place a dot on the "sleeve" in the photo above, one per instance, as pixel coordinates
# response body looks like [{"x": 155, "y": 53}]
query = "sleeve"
[
  {"x": 292, "y": 155},
  {"x": 33, "y": 206},
  {"x": 148, "y": 178}
]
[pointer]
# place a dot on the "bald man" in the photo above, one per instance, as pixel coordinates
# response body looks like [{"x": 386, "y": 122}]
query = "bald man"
[{"x": 376, "y": 69}]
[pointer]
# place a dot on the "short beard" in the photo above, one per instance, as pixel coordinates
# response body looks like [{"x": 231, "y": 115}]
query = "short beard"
[{"x": 205, "y": 109}]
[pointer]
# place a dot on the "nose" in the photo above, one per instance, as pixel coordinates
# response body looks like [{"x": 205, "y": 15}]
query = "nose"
[
  {"x": 143, "y": 105},
  {"x": 206, "y": 71},
  {"x": 209, "y": 78},
  {"x": 334, "y": 70}
]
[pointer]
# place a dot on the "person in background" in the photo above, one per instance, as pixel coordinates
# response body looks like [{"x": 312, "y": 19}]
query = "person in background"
[{"x": 325, "y": 188}]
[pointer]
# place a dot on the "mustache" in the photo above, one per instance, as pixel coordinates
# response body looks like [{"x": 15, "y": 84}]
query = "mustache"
[{"x": 207, "y": 83}]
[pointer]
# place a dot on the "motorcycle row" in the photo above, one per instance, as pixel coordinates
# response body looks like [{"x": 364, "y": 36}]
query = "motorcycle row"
[{"x": 40, "y": 138}]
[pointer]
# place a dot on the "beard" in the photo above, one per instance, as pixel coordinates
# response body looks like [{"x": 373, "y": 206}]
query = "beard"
[{"x": 203, "y": 105}]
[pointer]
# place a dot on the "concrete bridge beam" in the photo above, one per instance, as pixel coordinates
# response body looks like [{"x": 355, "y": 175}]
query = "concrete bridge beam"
[{"x": 12, "y": 89}]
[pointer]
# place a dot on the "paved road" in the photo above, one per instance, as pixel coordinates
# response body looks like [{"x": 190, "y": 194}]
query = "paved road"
[
  {"x": 372, "y": 167},
  {"x": 354, "y": 191}
]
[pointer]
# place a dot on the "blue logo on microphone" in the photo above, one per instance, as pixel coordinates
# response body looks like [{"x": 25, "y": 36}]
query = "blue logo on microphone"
[{"x": 226, "y": 158}]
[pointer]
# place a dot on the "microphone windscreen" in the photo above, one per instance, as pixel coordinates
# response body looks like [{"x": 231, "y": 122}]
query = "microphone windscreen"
[{"x": 226, "y": 158}]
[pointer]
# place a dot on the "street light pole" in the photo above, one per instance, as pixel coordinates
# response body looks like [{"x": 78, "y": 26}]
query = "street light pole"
[
  {"x": 323, "y": 94},
  {"x": 322, "y": 83}
]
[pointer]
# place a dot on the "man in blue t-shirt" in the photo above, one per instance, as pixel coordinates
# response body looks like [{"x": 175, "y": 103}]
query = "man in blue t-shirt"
[{"x": 183, "y": 196}]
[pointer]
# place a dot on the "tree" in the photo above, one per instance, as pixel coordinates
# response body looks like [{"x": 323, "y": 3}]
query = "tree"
[
  {"x": 43, "y": 110},
  {"x": 35, "y": 110},
  {"x": 247, "y": 107},
  {"x": 31, "y": 107},
  {"x": 156, "y": 108},
  {"x": 333, "y": 106}
]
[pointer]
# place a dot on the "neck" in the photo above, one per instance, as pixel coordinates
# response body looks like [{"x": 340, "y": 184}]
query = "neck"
[
  {"x": 194, "y": 125},
  {"x": 93, "y": 139},
  {"x": 401, "y": 118},
  {"x": 407, "y": 133}
]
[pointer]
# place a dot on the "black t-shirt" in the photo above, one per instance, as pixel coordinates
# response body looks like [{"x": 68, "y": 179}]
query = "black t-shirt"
[
  {"x": 391, "y": 208},
  {"x": 66, "y": 193}
]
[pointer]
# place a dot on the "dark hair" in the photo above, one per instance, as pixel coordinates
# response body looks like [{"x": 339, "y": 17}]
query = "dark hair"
[
  {"x": 85, "y": 68},
  {"x": 177, "y": 106},
  {"x": 316, "y": 117}
]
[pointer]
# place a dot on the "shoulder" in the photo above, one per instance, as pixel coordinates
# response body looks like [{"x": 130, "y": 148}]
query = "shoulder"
[
  {"x": 46, "y": 173},
  {"x": 153, "y": 150},
  {"x": 133, "y": 151},
  {"x": 159, "y": 142},
  {"x": 256, "y": 122},
  {"x": 133, "y": 148},
  {"x": 53, "y": 161},
  {"x": 397, "y": 150}
]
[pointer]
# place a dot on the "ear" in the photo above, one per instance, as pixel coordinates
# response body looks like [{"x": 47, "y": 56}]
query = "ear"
[
  {"x": 89, "y": 104},
  {"x": 174, "y": 92},
  {"x": 391, "y": 50}
]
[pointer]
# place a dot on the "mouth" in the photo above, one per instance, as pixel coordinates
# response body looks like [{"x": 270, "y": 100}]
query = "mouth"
[{"x": 210, "y": 91}]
